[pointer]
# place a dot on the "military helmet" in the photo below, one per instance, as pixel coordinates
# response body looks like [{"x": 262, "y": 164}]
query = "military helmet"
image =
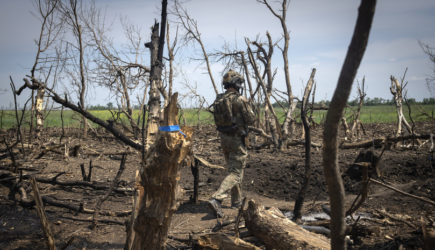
[{"x": 232, "y": 79}]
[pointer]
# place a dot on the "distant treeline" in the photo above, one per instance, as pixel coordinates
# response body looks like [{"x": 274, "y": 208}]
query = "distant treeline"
[
  {"x": 109, "y": 106},
  {"x": 376, "y": 101}
]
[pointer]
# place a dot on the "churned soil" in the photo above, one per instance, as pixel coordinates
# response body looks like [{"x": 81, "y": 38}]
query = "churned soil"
[{"x": 387, "y": 219}]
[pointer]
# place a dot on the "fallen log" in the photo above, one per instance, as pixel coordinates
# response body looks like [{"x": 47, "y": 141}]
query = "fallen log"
[
  {"x": 93, "y": 185},
  {"x": 302, "y": 143},
  {"x": 379, "y": 142},
  {"x": 222, "y": 241},
  {"x": 47, "y": 200},
  {"x": 278, "y": 232}
]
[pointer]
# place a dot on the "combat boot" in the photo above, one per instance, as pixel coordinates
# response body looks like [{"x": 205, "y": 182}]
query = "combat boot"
[
  {"x": 216, "y": 207},
  {"x": 236, "y": 204}
]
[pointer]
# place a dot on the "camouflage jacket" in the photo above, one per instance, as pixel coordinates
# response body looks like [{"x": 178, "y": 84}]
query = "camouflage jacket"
[{"x": 232, "y": 113}]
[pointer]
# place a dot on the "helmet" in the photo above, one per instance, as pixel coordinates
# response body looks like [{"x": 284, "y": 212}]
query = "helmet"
[{"x": 232, "y": 79}]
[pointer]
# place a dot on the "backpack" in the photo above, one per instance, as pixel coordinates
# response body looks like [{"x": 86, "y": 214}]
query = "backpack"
[
  {"x": 224, "y": 107},
  {"x": 223, "y": 110}
]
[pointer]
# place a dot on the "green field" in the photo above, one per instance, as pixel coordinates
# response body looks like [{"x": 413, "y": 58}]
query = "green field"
[
  {"x": 369, "y": 114},
  {"x": 377, "y": 114}
]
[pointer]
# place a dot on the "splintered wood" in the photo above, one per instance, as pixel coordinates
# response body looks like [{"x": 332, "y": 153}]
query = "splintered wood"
[
  {"x": 223, "y": 241},
  {"x": 159, "y": 177},
  {"x": 278, "y": 232}
]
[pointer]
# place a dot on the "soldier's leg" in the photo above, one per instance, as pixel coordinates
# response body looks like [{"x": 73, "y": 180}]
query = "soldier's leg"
[
  {"x": 227, "y": 184},
  {"x": 236, "y": 163}
]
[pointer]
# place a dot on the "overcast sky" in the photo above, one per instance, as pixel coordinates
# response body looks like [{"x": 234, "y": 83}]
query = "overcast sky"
[{"x": 320, "y": 34}]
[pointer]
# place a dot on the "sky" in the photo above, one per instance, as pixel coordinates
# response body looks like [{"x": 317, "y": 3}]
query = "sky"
[{"x": 320, "y": 33}]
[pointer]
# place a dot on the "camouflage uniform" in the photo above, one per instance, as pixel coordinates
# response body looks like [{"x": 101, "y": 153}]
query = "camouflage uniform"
[{"x": 234, "y": 149}]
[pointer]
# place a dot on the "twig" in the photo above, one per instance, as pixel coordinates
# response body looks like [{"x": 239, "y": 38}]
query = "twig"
[
  {"x": 11, "y": 154},
  {"x": 260, "y": 132},
  {"x": 364, "y": 188},
  {"x": 402, "y": 192},
  {"x": 195, "y": 172},
  {"x": 63, "y": 126},
  {"x": 93, "y": 185},
  {"x": 88, "y": 178},
  {"x": 239, "y": 215},
  {"x": 206, "y": 163},
  {"x": 130, "y": 223},
  {"x": 76, "y": 208},
  {"x": 395, "y": 218},
  {"x": 220, "y": 225},
  {"x": 112, "y": 186},
  {"x": 40, "y": 209},
  {"x": 89, "y": 220},
  {"x": 82, "y": 168}
]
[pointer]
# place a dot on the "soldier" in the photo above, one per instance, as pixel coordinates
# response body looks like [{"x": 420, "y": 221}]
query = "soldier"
[{"x": 232, "y": 115}]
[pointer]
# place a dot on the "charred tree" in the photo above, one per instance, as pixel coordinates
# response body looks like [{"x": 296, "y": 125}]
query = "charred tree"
[
  {"x": 304, "y": 111},
  {"x": 156, "y": 47},
  {"x": 330, "y": 133}
]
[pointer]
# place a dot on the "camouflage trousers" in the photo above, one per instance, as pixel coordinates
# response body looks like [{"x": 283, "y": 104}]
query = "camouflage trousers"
[{"x": 235, "y": 154}]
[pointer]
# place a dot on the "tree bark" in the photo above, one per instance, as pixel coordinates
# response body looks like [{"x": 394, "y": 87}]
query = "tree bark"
[
  {"x": 278, "y": 232},
  {"x": 159, "y": 179},
  {"x": 330, "y": 155}
]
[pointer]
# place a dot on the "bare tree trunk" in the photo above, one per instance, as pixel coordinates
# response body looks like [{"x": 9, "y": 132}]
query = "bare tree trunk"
[
  {"x": 82, "y": 82},
  {"x": 171, "y": 56},
  {"x": 347, "y": 132},
  {"x": 39, "y": 110},
  {"x": 330, "y": 155},
  {"x": 154, "y": 96},
  {"x": 156, "y": 46},
  {"x": 158, "y": 185},
  {"x": 271, "y": 117},
  {"x": 71, "y": 12},
  {"x": 355, "y": 131},
  {"x": 301, "y": 195},
  {"x": 47, "y": 35},
  {"x": 397, "y": 91},
  {"x": 288, "y": 121},
  {"x": 248, "y": 79}
]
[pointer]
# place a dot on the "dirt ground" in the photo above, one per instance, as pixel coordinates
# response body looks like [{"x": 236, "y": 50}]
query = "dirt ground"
[{"x": 388, "y": 220}]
